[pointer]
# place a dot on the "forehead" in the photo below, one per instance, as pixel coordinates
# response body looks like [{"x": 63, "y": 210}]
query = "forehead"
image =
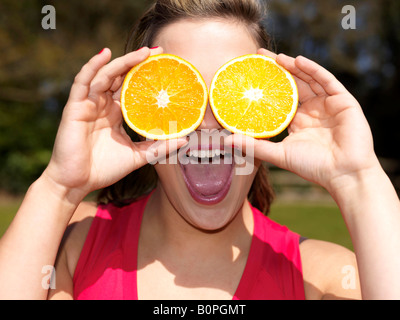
[{"x": 206, "y": 43}]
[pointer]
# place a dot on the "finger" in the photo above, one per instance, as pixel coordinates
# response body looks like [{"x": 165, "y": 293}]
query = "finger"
[
  {"x": 117, "y": 84},
  {"x": 81, "y": 86},
  {"x": 326, "y": 80},
  {"x": 105, "y": 78},
  {"x": 261, "y": 149},
  {"x": 156, "y": 50},
  {"x": 267, "y": 53},
  {"x": 150, "y": 151},
  {"x": 140, "y": 151},
  {"x": 160, "y": 151},
  {"x": 308, "y": 88}
]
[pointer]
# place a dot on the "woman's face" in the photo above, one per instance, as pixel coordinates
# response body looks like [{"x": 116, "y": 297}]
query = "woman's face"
[{"x": 207, "y": 194}]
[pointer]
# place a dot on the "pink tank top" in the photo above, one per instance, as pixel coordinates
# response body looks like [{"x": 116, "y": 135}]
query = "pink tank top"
[{"x": 106, "y": 268}]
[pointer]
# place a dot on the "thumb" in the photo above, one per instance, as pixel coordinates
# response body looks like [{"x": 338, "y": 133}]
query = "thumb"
[
  {"x": 264, "y": 150},
  {"x": 161, "y": 149},
  {"x": 267, "y": 53}
]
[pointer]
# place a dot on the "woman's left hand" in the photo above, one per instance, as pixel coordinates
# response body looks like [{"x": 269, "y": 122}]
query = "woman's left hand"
[
  {"x": 329, "y": 138},
  {"x": 330, "y": 143}
]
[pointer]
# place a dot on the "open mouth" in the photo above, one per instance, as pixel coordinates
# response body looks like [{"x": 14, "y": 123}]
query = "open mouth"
[{"x": 207, "y": 171}]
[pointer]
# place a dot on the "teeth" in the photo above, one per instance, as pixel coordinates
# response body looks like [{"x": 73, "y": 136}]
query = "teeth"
[{"x": 206, "y": 153}]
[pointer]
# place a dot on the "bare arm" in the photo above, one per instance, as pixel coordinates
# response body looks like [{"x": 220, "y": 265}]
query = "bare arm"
[
  {"x": 330, "y": 143},
  {"x": 91, "y": 151},
  {"x": 371, "y": 209},
  {"x": 70, "y": 250},
  {"x": 31, "y": 242}
]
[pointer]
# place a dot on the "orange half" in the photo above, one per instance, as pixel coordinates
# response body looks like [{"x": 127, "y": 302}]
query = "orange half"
[
  {"x": 164, "y": 97},
  {"x": 253, "y": 95}
]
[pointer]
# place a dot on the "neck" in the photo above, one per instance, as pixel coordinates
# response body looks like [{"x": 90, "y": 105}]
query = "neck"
[{"x": 169, "y": 231}]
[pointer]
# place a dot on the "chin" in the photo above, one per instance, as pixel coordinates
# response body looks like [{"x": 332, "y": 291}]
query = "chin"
[
  {"x": 204, "y": 187},
  {"x": 211, "y": 217},
  {"x": 207, "y": 213}
]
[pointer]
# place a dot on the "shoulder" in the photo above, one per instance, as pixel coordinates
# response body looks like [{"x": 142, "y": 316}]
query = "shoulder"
[
  {"x": 77, "y": 231},
  {"x": 70, "y": 249},
  {"x": 329, "y": 271}
]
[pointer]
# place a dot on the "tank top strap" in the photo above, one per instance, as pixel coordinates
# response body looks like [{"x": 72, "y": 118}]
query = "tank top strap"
[
  {"x": 273, "y": 270},
  {"x": 107, "y": 265}
]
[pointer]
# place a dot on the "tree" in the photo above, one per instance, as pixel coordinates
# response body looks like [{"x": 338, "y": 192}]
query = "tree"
[{"x": 38, "y": 65}]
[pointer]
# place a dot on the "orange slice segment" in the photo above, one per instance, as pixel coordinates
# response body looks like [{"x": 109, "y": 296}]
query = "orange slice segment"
[
  {"x": 253, "y": 95},
  {"x": 164, "y": 97}
]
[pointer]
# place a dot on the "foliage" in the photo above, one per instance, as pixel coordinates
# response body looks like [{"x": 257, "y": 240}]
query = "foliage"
[
  {"x": 313, "y": 221},
  {"x": 38, "y": 66},
  {"x": 365, "y": 59}
]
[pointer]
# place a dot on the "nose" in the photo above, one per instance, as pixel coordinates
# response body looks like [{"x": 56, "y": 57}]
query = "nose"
[{"x": 209, "y": 122}]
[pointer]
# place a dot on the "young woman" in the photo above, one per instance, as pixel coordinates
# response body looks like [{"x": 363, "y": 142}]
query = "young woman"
[{"x": 163, "y": 240}]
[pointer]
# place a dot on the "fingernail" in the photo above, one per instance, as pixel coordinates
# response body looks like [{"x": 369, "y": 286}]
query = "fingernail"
[
  {"x": 155, "y": 47},
  {"x": 140, "y": 49},
  {"x": 101, "y": 51}
]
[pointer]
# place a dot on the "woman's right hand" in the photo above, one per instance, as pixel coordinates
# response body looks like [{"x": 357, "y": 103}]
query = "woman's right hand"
[{"x": 92, "y": 150}]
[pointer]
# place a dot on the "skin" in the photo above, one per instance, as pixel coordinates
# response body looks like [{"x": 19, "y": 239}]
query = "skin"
[
  {"x": 188, "y": 40},
  {"x": 330, "y": 143}
]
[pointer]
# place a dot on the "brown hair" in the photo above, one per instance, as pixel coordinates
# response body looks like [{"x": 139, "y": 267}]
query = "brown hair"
[{"x": 162, "y": 13}]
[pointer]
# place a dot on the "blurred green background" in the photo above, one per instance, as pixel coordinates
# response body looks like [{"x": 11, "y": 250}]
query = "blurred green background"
[{"x": 37, "y": 68}]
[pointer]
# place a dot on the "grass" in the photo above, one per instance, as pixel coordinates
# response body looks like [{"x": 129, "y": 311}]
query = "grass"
[
  {"x": 311, "y": 220},
  {"x": 7, "y": 212}
]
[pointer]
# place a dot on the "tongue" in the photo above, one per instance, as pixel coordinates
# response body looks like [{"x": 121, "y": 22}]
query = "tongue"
[{"x": 208, "y": 179}]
